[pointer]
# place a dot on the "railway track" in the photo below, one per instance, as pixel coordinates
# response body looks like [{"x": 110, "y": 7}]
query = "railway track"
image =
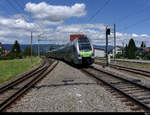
[
  {"x": 134, "y": 92},
  {"x": 129, "y": 69},
  {"x": 10, "y": 92}
]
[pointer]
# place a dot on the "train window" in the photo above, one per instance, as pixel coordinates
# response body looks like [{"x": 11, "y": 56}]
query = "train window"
[
  {"x": 83, "y": 40},
  {"x": 85, "y": 47},
  {"x": 74, "y": 49}
]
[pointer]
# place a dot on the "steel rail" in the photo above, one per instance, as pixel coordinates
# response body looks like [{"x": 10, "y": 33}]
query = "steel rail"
[
  {"x": 119, "y": 90},
  {"x": 21, "y": 79},
  {"x": 38, "y": 75},
  {"x": 130, "y": 69}
]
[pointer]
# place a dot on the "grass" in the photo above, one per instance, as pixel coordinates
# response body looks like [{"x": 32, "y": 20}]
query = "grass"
[
  {"x": 10, "y": 68},
  {"x": 140, "y": 65}
]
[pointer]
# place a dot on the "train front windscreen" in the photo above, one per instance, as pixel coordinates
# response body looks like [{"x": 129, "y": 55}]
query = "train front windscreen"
[
  {"x": 84, "y": 44},
  {"x": 85, "y": 47},
  {"x": 83, "y": 40}
]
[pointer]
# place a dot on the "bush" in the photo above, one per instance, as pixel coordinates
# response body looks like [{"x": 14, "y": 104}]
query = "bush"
[
  {"x": 5, "y": 58},
  {"x": 13, "y": 55},
  {"x": 111, "y": 56},
  {"x": 118, "y": 55},
  {"x": 138, "y": 57},
  {"x": 148, "y": 56}
]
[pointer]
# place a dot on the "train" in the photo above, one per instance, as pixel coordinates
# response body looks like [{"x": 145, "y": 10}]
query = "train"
[{"x": 78, "y": 51}]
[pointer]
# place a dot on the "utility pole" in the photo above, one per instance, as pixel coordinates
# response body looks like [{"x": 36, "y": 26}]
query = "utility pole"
[
  {"x": 31, "y": 47},
  {"x": 39, "y": 46},
  {"x": 115, "y": 43},
  {"x": 123, "y": 48},
  {"x": 107, "y": 33}
]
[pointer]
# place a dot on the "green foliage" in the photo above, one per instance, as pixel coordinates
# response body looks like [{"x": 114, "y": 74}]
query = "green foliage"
[
  {"x": 27, "y": 52},
  {"x": 10, "y": 68},
  {"x": 139, "y": 55},
  {"x": 131, "y": 49},
  {"x": 2, "y": 50},
  {"x": 16, "y": 47},
  {"x": 148, "y": 55},
  {"x": 118, "y": 55},
  {"x": 126, "y": 51},
  {"x": 143, "y": 44},
  {"x": 51, "y": 48},
  {"x": 16, "y": 51}
]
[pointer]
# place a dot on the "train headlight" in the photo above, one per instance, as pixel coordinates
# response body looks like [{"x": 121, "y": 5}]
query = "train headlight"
[
  {"x": 93, "y": 54},
  {"x": 79, "y": 56}
]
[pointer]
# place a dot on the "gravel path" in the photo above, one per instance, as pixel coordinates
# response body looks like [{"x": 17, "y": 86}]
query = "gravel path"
[{"x": 66, "y": 89}]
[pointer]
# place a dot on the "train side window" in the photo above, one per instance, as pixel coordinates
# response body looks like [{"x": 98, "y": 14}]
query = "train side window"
[{"x": 74, "y": 49}]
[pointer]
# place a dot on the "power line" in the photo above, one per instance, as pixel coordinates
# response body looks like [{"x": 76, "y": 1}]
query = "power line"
[
  {"x": 141, "y": 21},
  {"x": 12, "y": 5},
  {"x": 99, "y": 10},
  {"x": 18, "y": 4},
  {"x": 134, "y": 13}
]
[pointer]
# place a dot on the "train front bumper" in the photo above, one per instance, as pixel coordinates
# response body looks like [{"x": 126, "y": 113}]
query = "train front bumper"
[{"x": 85, "y": 60}]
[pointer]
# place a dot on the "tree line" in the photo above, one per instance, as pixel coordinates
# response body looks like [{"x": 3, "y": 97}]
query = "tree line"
[
  {"x": 132, "y": 52},
  {"x": 17, "y": 53}
]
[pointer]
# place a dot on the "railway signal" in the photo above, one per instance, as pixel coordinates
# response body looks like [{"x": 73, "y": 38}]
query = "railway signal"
[{"x": 107, "y": 33}]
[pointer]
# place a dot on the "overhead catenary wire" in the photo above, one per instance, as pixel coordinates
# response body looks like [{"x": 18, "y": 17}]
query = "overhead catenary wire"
[
  {"x": 138, "y": 22},
  {"x": 14, "y": 7},
  {"x": 99, "y": 10},
  {"x": 18, "y": 4},
  {"x": 133, "y": 13}
]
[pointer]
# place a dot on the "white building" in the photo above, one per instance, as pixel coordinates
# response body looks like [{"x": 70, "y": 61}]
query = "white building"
[
  {"x": 99, "y": 52},
  {"x": 119, "y": 49}
]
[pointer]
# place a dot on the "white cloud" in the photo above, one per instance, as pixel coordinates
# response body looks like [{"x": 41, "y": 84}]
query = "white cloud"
[
  {"x": 19, "y": 29},
  {"x": 5, "y": 40},
  {"x": 55, "y": 13},
  {"x": 80, "y": 27},
  {"x": 16, "y": 24}
]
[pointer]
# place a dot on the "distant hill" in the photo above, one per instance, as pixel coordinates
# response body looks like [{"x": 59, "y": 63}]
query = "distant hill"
[
  {"x": 45, "y": 47},
  {"x": 103, "y": 47}
]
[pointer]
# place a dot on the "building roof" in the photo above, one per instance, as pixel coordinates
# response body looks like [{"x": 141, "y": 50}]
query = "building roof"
[{"x": 145, "y": 49}]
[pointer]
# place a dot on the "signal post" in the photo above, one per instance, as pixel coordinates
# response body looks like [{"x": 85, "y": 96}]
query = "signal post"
[{"x": 107, "y": 33}]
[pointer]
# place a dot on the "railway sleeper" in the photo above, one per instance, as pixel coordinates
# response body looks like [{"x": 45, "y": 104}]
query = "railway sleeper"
[
  {"x": 129, "y": 103},
  {"x": 125, "y": 87},
  {"x": 143, "y": 97},
  {"x": 142, "y": 92},
  {"x": 125, "y": 100},
  {"x": 134, "y": 108},
  {"x": 146, "y": 102},
  {"x": 117, "y": 82},
  {"x": 124, "y": 84},
  {"x": 132, "y": 89}
]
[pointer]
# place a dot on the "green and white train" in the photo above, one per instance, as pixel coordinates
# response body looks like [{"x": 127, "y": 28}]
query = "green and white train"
[{"x": 78, "y": 51}]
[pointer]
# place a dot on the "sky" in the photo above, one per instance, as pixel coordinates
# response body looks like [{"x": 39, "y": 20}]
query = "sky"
[{"x": 54, "y": 20}]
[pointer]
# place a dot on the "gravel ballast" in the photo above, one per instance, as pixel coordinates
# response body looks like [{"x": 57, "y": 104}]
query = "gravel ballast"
[{"x": 67, "y": 89}]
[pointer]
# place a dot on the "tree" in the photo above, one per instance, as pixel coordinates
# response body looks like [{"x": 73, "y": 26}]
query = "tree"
[
  {"x": 51, "y": 48},
  {"x": 16, "y": 47},
  {"x": 148, "y": 55},
  {"x": 16, "y": 51},
  {"x": 131, "y": 49},
  {"x": 27, "y": 51},
  {"x": 2, "y": 50},
  {"x": 143, "y": 45},
  {"x": 126, "y": 51}
]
